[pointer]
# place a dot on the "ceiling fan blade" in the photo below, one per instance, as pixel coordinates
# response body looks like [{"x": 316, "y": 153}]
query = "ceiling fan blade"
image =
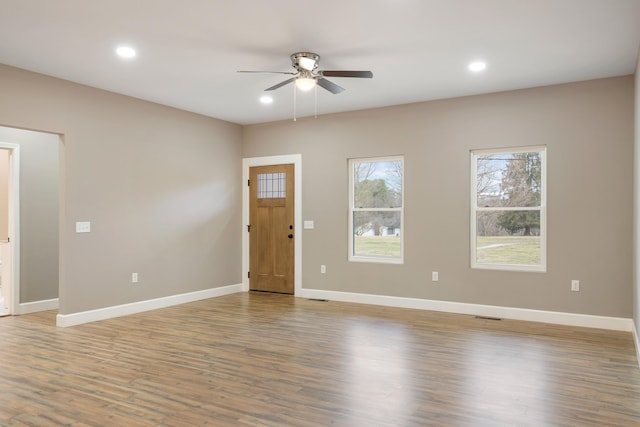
[
  {"x": 338, "y": 73},
  {"x": 272, "y": 72},
  {"x": 330, "y": 86},
  {"x": 286, "y": 82}
]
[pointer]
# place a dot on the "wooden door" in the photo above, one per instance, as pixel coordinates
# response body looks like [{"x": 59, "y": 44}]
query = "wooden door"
[{"x": 271, "y": 229}]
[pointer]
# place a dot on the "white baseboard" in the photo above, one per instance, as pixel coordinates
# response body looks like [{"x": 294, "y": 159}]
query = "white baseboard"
[
  {"x": 560, "y": 318},
  {"x": 36, "y": 306},
  {"x": 636, "y": 341},
  {"x": 569, "y": 319},
  {"x": 65, "y": 320}
]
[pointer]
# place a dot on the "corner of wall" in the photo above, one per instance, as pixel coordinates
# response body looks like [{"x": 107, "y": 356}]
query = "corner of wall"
[{"x": 37, "y": 306}]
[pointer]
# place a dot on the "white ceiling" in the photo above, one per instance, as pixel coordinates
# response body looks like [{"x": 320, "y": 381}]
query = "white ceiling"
[{"x": 418, "y": 50}]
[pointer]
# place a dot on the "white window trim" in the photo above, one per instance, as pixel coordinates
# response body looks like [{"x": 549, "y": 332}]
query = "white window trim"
[
  {"x": 352, "y": 209},
  {"x": 542, "y": 267}
]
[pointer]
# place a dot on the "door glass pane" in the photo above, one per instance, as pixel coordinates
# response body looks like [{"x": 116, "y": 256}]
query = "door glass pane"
[{"x": 272, "y": 185}]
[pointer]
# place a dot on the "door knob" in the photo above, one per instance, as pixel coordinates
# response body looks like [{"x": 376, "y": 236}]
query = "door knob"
[{"x": 290, "y": 236}]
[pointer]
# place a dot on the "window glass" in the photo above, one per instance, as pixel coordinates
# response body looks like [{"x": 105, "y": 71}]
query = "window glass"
[
  {"x": 376, "y": 209},
  {"x": 508, "y": 209},
  {"x": 272, "y": 185}
]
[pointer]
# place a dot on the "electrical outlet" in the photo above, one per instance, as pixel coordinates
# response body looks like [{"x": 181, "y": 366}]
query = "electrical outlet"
[
  {"x": 323, "y": 269},
  {"x": 575, "y": 285},
  {"x": 134, "y": 277},
  {"x": 83, "y": 227},
  {"x": 434, "y": 276}
]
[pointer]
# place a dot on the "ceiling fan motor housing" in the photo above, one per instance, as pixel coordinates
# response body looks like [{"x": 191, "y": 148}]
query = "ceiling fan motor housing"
[{"x": 305, "y": 61}]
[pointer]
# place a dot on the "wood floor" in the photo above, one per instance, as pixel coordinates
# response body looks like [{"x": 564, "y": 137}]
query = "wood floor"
[{"x": 273, "y": 360}]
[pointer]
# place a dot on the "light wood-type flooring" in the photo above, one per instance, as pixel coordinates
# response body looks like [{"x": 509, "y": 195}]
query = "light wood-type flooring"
[{"x": 259, "y": 359}]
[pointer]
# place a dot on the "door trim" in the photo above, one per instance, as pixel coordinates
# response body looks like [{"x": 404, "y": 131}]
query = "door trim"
[
  {"x": 14, "y": 225},
  {"x": 296, "y": 160}
]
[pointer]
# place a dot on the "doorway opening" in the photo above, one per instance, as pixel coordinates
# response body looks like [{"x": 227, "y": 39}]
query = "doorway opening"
[
  {"x": 271, "y": 218},
  {"x": 9, "y": 215},
  {"x": 295, "y": 231},
  {"x": 29, "y": 251}
]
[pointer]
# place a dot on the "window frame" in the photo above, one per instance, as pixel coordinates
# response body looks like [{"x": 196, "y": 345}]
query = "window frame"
[
  {"x": 474, "y": 209},
  {"x": 352, "y": 209}
]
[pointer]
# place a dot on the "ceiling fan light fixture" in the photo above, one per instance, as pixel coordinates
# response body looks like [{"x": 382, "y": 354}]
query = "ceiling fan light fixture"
[
  {"x": 307, "y": 76},
  {"x": 305, "y": 84},
  {"x": 307, "y": 63}
]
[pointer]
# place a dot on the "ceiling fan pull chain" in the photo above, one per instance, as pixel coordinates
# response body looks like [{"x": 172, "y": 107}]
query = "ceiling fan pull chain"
[
  {"x": 315, "y": 93},
  {"x": 294, "y": 103}
]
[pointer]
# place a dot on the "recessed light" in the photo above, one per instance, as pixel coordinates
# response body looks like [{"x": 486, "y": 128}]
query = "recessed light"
[
  {"x": 477, "y": 66},
  {"x": 266, "y": 99},
  {"x": 126, "y": 52}
]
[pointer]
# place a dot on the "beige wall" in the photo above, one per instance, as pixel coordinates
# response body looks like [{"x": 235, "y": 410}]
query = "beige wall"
[
  {"x": 588, "y": 129},
  {"x": 160, "y": 187},
  {"x": 39, "y": 208}
]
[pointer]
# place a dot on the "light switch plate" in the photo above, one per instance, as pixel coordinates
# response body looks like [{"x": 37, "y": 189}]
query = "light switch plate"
[
  {"x": 308, "y": 225},
  {"x": 575, "y": 285},
  {"x": 83, "y": 227}
]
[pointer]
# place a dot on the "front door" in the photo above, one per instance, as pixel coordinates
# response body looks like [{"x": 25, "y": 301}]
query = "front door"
[{"x": 271, "y": 242}]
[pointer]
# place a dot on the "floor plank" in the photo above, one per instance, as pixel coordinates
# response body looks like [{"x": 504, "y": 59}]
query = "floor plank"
[{"x": 260, "y": 359}]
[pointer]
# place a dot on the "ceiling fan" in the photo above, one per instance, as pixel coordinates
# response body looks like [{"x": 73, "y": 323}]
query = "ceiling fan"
[{"x": 307, "y": 74}]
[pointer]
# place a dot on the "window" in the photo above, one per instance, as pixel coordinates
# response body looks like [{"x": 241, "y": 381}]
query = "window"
[
  {"x": 272, "y": 185},
  {"x": 508, "y": 209},
  {"x": 376, "y": 209}
]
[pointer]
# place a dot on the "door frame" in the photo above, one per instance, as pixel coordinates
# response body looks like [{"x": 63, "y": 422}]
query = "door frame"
[
  {"x": 249, "y": 162},
  {"x": 14, "y": 225}
]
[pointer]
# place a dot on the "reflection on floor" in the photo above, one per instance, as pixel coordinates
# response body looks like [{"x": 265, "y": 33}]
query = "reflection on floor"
[{"x": 274, "y": 360}]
